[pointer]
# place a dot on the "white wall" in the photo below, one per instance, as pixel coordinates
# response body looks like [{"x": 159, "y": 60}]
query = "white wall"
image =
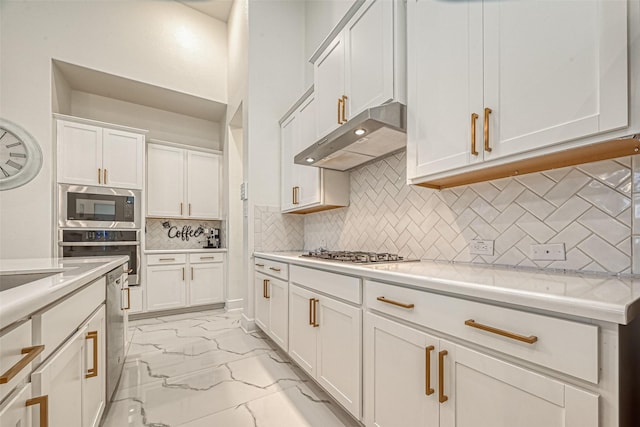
[{"x": 163, "y": 43}]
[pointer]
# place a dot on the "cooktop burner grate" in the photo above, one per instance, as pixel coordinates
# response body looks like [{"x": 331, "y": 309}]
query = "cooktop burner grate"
[{"x": 355, "y": 257}]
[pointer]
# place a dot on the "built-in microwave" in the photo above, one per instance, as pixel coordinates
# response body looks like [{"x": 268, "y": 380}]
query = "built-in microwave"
[{"x": 98, "y": 207}]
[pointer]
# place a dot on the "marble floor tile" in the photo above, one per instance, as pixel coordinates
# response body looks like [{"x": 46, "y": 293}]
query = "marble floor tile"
[{"x": 204, "y": 370}]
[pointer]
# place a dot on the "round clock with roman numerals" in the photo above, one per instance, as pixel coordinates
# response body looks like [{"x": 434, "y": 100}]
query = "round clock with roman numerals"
[{"x": 20, "y": 156}]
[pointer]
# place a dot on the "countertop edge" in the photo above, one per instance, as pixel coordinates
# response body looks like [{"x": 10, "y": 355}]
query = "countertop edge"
[
  {"x": 601, "y": 311},
  {"x": 183, "y": 251}
]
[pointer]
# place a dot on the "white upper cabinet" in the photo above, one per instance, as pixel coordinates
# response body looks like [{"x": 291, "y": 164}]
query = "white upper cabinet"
[
  {"x": 183, "y": 183},
  {"x": 363, "y": 66},
  {"x": 498, "y": 81},
  {"x": 307, "y": 188},
  {"x": 94, "y": 155}
]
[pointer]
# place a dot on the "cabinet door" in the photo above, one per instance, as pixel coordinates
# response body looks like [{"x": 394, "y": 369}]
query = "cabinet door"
[
  {"x": 302, "y": 332},
  {"x": 399, "y": 391},
  {"x": 60, "y": 378},
  {"x": 278, "y": 291},
  {"x": 547, "y": 85},
  {"x": 262, "y": 302},
  {"x": 288, "y": 137},
  {"x": 306, "y": 178},
  {"x": 483, "y": 391},
  {"x": 205, "y": 286},
  {"x": 340, "y": 352},
  {"x": 79, "y": 153},
  {"x": 444, "y": 54},
  {"x": 122, "y": 158},
  {"x": 369, "y": 56},
  {"x": 14, "y": 411},
  {"x": 203, "y": 185},
  {"x": 94, "y": 379},
  {"x": 165, "y": 181},
  {"x": 166, "y": 286},
  {"x": 329, "y": 86}
]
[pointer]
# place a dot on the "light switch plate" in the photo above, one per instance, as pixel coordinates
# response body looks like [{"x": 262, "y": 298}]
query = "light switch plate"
[
  {"x": 481, "y": 247},
  {"x": 548, "y": 252}
]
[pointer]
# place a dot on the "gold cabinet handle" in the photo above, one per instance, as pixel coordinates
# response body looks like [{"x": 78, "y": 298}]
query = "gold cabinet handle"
[
  {"x": 189, "y": 209},
  {"x": 30, "y": 354},
  {"x": 207, "y": 257},
  {"x": 105, "y": 176},
  {"x": 315, "y": 312},
  {"x": 180, "y": 208},
  {"x": 474, "y": 119},
  {"x": 260, "y": 265},
  {"x": 310, "y": 311},
  {"x": 340, "y": 101},
  {"x": 529, "y": 340},
  {"x": 275, "y": 269},
  {"x": 99, "y": 175},
  {"x": 487, "y": 111},
  {"x": 191, "y": 273},
  {"x": 183, "y": 274},
  {"x": 129, "y": 271},
  {"x": 344, "y": 103},
  {"x": 266, "y": 288},
  {"x": 129, "y": 298},
  {"x": 296, "y": 193},
  {"x": 427, "y": 388},
  {"x": 165, "y": 259},
  {"x": 396, "y": 303},
  {"x": 441, "y": 396},
  {"x": 93, "y": 372},
  {"x": 43, "y": 401}
]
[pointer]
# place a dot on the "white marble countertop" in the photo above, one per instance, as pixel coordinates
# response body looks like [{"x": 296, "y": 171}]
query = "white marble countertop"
[
  {"x": 601, "y": 297},
  {"x": 70, "y": 274},
  {"x": 182, "y": 251}
]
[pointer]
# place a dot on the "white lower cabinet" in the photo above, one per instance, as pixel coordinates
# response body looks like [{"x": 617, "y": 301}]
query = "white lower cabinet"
[
  {"x": 325, "y": 340},
  {"x": 415, "y": 379},
  {"x": 175, "y": 280},
  {"x": 94, "y": 378},
  {"x": 272, "y": 301},
  {"x": 16, "y": 411}
]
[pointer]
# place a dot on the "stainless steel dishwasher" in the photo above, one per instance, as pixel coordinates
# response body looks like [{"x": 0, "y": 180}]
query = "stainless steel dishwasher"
[{"x": 116, "y": 319}]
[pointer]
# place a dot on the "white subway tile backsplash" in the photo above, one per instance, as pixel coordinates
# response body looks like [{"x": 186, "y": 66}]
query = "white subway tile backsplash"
[{"x": 587, "y": 208}]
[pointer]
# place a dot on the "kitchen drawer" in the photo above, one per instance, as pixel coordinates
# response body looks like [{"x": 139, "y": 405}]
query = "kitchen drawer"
[
  {"x": 11, "y": 344},
  {"x": 54, "y": 324},
  {"x": 158, "y": 259},
  {"x": 347, "y": 288},
  {"x": 272, "y": 268},
  {"x": 563, "y": 345},
  {"x": 204, "y": 257}
]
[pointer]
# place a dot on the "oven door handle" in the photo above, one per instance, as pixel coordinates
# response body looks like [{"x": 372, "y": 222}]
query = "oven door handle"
[{"x": 110, "y": 243}]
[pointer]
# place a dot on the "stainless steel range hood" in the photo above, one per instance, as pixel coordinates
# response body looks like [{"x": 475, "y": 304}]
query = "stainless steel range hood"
[{"x": 372, "y": 134}]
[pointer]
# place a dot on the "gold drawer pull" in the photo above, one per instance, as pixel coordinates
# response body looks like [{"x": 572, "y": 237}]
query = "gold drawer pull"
[
  {"x": 266, "y": 288},
  {"x": 93, "y": 372},
  {"x": 474, "y": 118},
  {"x": 428, "y": 390},
  {"x": 31, "y": 353},
  {"x": 191, "y": 273},
  {"x": 344, "y": 103},
  {"x": 43, "y": 401},
  {"x": 487, "y": 147},
  {"x": 529, "y": 340},
  {"x": 129, "y": 298},
  {"x": 259, "y": 265},
  {"x": 105, "y": 177},
  {"x": 207, "y": 257},
  {"x": 340, "y": 101},
  {"x": 441, "y": 396},
  {"x": 274, "y": 269},
  {"x": 99, "y": 175},
  {"x": 315, "y": 313},
  {"x": 392, "y": 302},
  {"x": 311, "y": 300},
  {"x": 167, "y": 259}
]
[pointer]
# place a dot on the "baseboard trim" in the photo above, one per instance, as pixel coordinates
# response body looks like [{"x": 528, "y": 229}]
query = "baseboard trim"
[
  {"x": 248, "y": 325},
  {"x": 181, "y": 310},
  {"x": 234, "y": 304}
]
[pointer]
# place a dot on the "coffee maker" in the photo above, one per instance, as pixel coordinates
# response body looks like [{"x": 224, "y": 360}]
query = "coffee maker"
[{"x": 213, "y": 238}]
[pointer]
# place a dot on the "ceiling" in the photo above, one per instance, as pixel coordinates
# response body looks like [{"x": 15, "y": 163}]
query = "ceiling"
[
  {"x": 108, "y": 85},
  {"x": 218, "y": 9}
]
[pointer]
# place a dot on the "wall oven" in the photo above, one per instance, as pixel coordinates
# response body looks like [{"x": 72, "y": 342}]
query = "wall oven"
[
  {"x": 98, "y": 207},
  {"x": 89, "y": 243}
]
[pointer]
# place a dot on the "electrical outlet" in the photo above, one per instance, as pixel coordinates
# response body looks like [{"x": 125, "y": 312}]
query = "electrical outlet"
[
  {"x": 548, "y": 252},
  {"x": 481, "y": 247}
]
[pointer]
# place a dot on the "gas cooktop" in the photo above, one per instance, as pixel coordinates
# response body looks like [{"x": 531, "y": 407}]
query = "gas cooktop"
[{"x": 355, "y": 257}]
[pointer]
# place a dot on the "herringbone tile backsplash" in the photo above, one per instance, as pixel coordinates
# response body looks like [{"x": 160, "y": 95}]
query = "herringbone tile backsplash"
[
  {"x": 157, "y": 233},
  {"x": 275, "y": 232},
  {"x": 588, "y": 208}
]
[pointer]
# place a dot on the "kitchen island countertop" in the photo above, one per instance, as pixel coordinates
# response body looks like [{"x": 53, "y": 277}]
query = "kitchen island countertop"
[
  {"x": 69, "y": 274},
  {"x": 608, "y": 298}
]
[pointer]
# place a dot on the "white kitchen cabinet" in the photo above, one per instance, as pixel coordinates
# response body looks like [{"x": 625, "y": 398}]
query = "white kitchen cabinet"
[
  {"x": 90, "y": 154},
  {"x": 307, "y": 188},
  {"x": 17, "y": 409},
  {"x": 362, "y": 67},
  {"x": 325, "y": 340},
  {"x": 60, "y": 378},
  {"x": 175, "y": 280},
  {"x": 94, "y": 379},
  {"x": 182, "y": 183},
  {"x": 490, "y": 80},
  {"x": 272, "y": 300}
]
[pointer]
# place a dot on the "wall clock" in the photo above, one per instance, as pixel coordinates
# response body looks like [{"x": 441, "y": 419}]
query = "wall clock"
[{"x": 20, "y": 156}]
